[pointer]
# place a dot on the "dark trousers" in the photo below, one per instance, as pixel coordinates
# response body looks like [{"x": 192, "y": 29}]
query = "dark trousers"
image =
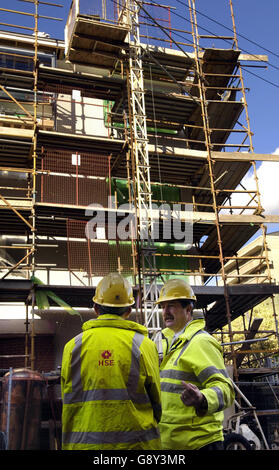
[{"x": 218, "y": 445}]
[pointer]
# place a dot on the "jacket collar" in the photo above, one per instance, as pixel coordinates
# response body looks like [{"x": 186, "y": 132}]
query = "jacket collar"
[
  {"x": 191, "y": 328},
  {"x": 114, "y": 321}
]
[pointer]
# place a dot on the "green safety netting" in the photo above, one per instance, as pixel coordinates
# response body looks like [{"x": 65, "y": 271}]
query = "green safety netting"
[
  {"x": 160, "y": 193},
  {"x": 42, "y": 299}
]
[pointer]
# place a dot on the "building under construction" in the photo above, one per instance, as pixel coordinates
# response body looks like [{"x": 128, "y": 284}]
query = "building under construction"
[{"x": 122, "y": 149}]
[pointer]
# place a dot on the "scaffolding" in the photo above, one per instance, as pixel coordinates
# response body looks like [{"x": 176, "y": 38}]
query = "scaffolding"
[
  {"x": 27, "y": 120},
  {"x": 152, "y": 131}
]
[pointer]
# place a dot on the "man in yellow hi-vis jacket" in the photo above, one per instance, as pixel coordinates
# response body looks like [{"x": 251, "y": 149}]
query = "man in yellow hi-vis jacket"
[
  {"x": 110, "y": 379},
  {"x": 195, "y": 385}
]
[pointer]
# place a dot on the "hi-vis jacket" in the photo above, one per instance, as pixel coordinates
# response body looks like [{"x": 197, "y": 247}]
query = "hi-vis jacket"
[
  {"x": 110, "y": 387},
  {"x": 195, "y": 357}
]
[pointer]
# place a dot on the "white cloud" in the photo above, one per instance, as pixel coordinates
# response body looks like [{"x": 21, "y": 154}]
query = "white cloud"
[
  {"x": 268, "y": 182},
  {"x": 268, "y": 174}
]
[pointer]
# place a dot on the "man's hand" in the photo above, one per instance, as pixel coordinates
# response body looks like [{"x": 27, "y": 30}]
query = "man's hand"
[{"x": 192, "y": 396}]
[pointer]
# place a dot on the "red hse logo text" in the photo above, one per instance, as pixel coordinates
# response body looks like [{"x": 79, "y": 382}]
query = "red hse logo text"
[{"x": 106, "y": 359}]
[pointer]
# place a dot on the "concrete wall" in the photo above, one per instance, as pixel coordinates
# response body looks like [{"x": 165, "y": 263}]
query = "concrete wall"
[
  {"x": 80, "y": 115},
  {"x": 273, "y": 246}
]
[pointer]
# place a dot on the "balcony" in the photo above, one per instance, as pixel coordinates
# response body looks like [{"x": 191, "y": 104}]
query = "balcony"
[{"x": 95, "y": 35}]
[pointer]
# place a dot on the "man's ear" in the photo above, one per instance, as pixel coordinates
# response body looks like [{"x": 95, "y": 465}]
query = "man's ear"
[
  {"x": 97, "y": 310},
  {"x": 127, "y": 313},
  {"x": 190, "y": 308}
]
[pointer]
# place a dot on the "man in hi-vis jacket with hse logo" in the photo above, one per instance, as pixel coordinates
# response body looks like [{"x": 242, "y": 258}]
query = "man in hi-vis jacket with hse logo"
[
  {"x": 110, "y": 381},
  {"x": 195, "y": 386}
]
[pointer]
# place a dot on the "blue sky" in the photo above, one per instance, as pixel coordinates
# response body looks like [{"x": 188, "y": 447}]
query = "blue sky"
[{"x": 257, "y": 27}]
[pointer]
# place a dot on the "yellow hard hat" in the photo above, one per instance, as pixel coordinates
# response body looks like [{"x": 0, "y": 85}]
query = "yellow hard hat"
[
  {"x": 176, "y": 289},
  {"x": 114, "y": 291}
]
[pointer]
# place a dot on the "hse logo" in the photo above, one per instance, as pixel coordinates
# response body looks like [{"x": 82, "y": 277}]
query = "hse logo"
[{"x": 106, "y": 358}]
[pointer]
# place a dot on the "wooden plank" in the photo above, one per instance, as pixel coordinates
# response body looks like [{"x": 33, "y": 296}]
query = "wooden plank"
[
  {"x": 245, "y": 156},
  {"x": 172, "y": 152},
  {"x": 209, "y": 217},
  {"x": 19, "y": 204},
  {"x": 23, "y": 123},
  {"x": 247, "y": 219},
  {"x": 89, "y": 26},
  {"x": 190, "y": 55},
  {"x": 253, "y": 58},
  {"x": 268, "y": 412},
  {"x": 15, "y": 132},
  {"x": 187, "y": 216},
  {"x": 259, "y": 371}
]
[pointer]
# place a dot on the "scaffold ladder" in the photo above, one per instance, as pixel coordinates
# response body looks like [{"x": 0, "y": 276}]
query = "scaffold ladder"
[{"x": 142, "y": 187}]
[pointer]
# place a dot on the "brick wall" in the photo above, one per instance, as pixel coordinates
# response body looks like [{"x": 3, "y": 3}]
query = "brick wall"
[{"x": 44, "y": 352}]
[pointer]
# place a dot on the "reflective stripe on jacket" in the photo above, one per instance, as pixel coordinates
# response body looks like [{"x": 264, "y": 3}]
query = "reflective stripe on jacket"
[
  {"x": 110, "y": 387},
  {"x": 195, "y": 357}
]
